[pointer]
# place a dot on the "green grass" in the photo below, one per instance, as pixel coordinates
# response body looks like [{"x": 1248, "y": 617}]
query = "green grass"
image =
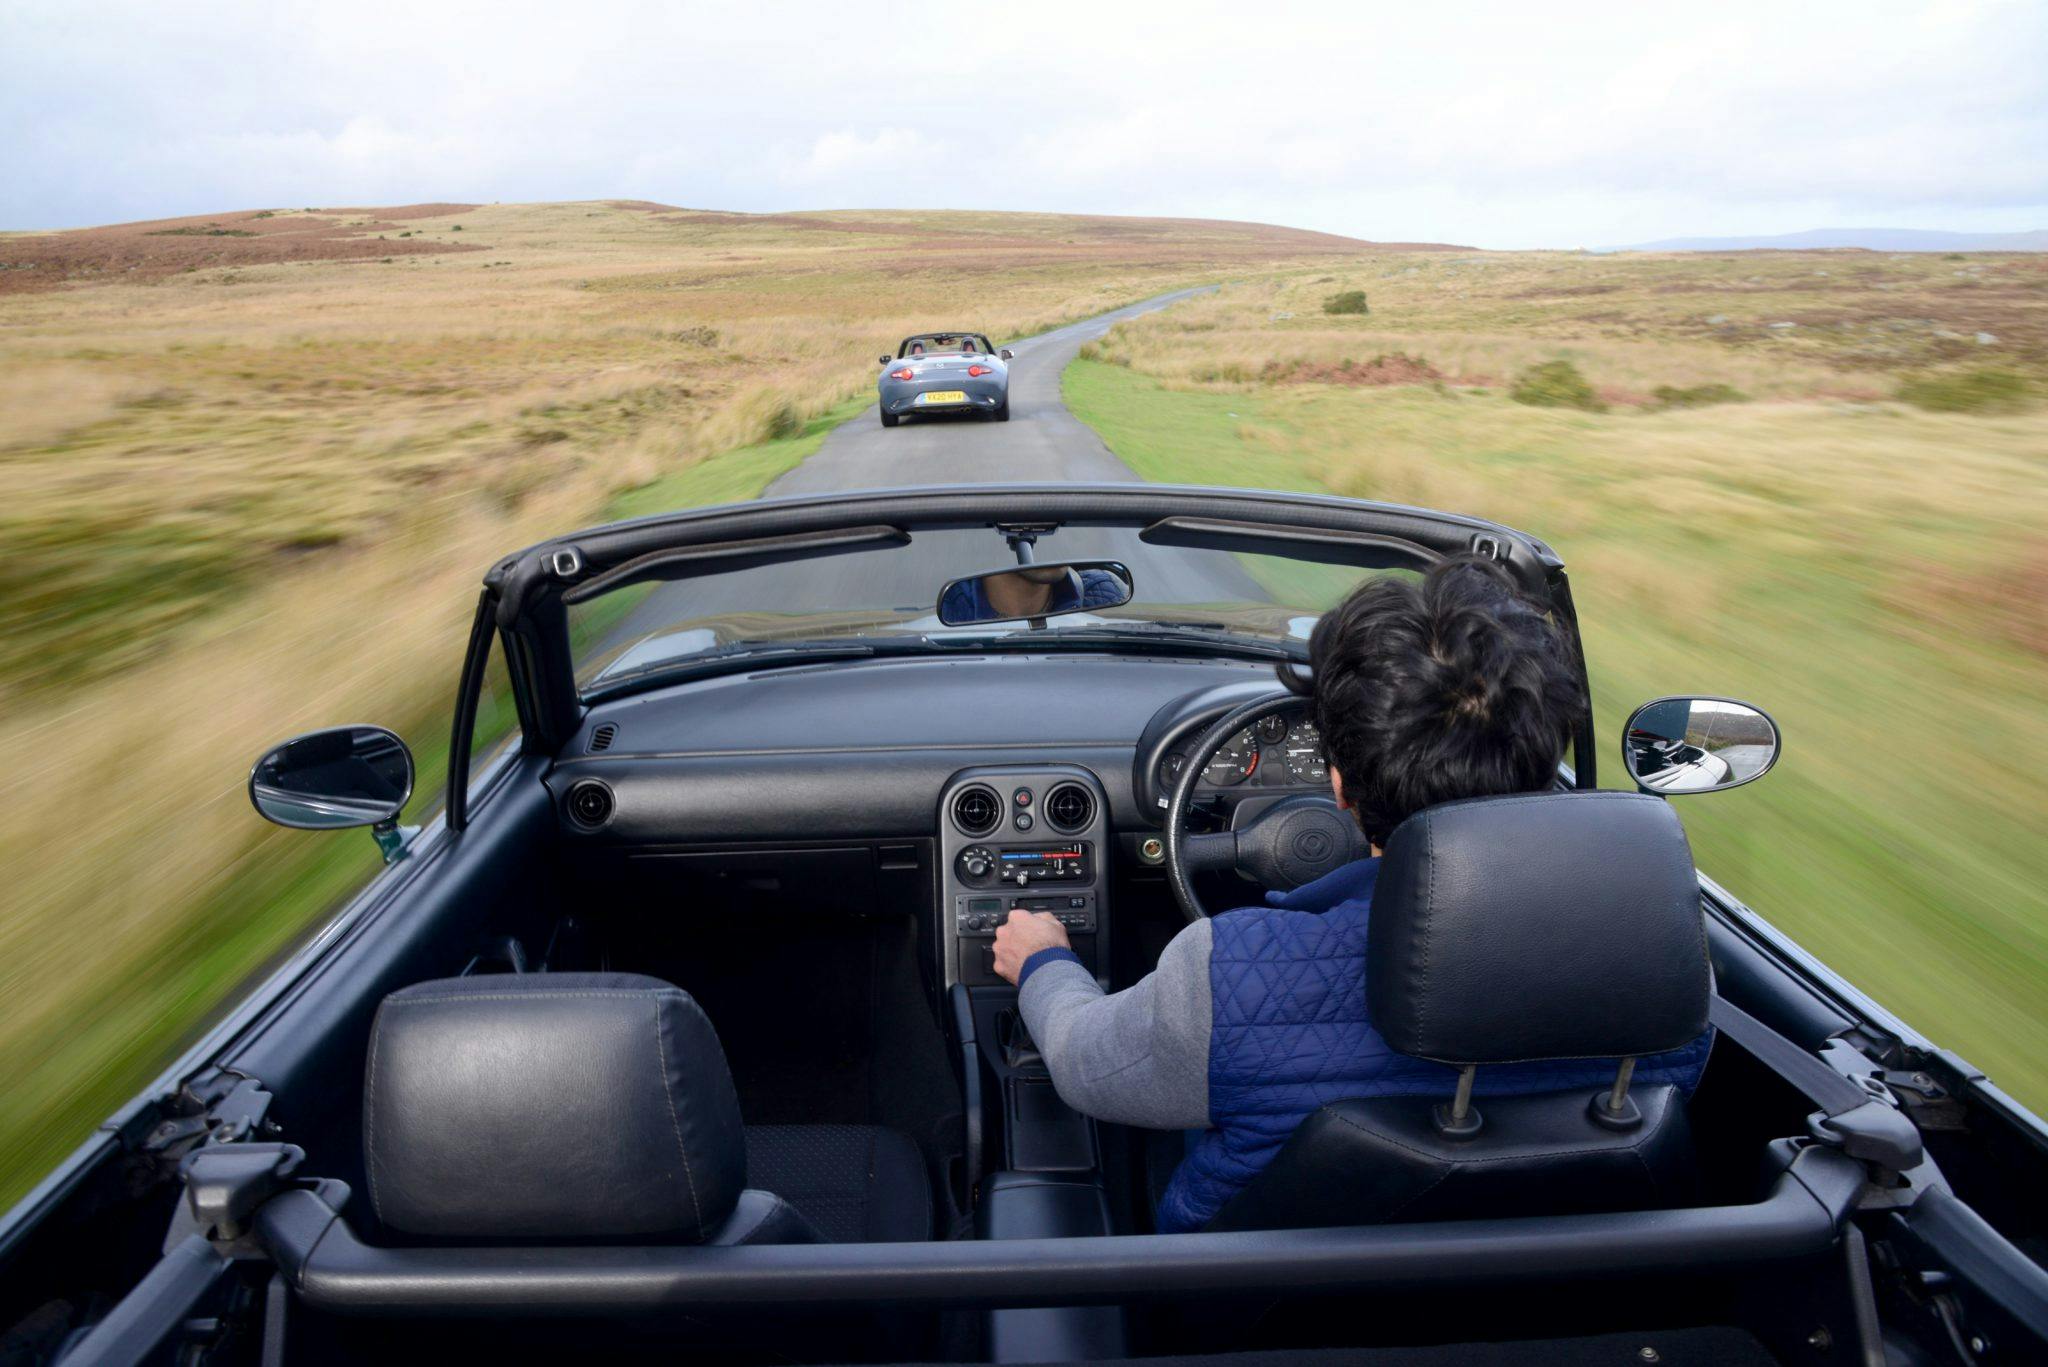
[
  {"x": 736, "y": 475},
  {"x": 1968, "y": 391},
  {"x": 1755, "y": 551}
]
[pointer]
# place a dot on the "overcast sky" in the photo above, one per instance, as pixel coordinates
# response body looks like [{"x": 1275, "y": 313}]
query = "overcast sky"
[{"x": 1506, "y": 125}]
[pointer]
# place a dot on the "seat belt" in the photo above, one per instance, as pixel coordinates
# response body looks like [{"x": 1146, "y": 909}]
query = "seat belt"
[{"x": 1863, "y": 1125}]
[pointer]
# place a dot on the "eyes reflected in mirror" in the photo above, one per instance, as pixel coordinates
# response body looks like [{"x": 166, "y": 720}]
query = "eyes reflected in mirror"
[
  {"x": 1033, "y": 592},
  {"x": 329, "y": 780},
  {"x": 1698, "y": 745}
]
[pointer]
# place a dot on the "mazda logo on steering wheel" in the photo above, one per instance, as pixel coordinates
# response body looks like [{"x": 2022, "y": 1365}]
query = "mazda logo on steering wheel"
[{"x": 1313, "y": 846}]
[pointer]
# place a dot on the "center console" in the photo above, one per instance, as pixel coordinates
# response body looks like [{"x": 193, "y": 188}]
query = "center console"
[{"x": 1031, "y": 838}]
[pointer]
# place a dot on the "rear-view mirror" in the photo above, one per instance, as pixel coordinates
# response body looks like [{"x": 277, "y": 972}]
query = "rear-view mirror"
[
  {"x": 887, "y": 359},
  {"x": 1031, "y": 592},
  {"x": 333, "y": 779},
  {"x": 1007, "y": 354},
  {"x": 1698, "y": 745}
]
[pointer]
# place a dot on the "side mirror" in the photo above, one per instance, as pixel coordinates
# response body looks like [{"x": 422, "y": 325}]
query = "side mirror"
[
  {"x": 1698, "y": 745},
  {"x": 333, "y": 779},
  {"x": 1032, "y": 592},
  {"x": 887, "y": 359},
  {"x": 1007, "y": 354}
]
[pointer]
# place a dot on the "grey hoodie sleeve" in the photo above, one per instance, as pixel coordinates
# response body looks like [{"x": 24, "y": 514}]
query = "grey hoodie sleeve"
[{"x": 1139, "y": 1057}]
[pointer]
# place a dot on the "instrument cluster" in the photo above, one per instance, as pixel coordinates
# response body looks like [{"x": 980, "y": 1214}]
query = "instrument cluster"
[{"x": 1272, "y": 753}]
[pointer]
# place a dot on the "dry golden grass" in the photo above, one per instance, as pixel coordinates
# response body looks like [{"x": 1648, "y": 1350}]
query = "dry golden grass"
[
  {"x": 246, "y": 499},
  {"x": 1632, "y": 323}
]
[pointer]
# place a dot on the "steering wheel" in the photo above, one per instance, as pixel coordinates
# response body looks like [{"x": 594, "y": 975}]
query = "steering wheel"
[{"x": 1295, "y": 841}]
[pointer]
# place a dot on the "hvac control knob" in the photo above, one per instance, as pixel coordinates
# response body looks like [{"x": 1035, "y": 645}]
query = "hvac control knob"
[{"x": 976, "y": 863}]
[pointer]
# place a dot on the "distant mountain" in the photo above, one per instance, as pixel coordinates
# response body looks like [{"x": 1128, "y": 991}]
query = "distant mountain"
[{"x": 1869, "y": 239}]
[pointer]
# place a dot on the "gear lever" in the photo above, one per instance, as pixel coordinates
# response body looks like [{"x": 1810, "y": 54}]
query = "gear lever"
[{"x": 1013, "y": 1037}]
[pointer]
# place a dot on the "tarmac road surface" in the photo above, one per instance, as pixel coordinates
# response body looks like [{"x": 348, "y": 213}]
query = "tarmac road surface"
[{"x": 1042, "y": 442}]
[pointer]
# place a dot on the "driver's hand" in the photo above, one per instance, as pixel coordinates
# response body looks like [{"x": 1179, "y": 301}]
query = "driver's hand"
[{"x": 1023, "y": 935}]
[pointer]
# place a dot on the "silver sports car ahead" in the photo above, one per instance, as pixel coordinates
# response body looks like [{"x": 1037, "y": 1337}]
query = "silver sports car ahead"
[{"x": 945, "y": 372}]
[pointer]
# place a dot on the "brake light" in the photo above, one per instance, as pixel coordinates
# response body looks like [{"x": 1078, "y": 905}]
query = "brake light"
[
  {"x": 903, "y": 374},
  {"x": 977, "y": 371}
]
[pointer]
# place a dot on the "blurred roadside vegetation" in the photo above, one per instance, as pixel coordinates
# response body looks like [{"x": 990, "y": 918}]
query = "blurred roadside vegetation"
[
  {"x": 242, "y": 497},
  {"x": 1802, "y": 516}
]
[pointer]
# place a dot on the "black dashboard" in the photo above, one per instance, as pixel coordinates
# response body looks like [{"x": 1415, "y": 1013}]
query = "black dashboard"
[
  {"x": 968, "y": 786},
  {"x": 865, "y": 750}
]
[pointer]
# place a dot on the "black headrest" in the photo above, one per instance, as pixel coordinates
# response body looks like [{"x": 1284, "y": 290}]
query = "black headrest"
[
  {"x": 550, "y": 1106},
  {"x": 1559, "y": 925}
]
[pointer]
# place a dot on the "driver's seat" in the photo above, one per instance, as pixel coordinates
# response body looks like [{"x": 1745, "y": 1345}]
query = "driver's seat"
[{"x": 1562, "y": 926}]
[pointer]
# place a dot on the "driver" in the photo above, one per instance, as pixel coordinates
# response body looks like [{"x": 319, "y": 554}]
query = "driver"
[
  {"x": 1032, "y": 591},
  {"x": 1456, "y": 687}
]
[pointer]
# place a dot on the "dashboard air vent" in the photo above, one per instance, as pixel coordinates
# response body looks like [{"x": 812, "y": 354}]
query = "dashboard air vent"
[
  {"x": 589, "y": 803},
  {"x": 603, "y": 736},
  {"x": 1070, "y": 807},
  {"x": 977, "y": 810}
]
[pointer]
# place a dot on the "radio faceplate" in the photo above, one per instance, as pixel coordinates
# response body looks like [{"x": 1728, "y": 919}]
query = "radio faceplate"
[{"x": 999, "y": 868}]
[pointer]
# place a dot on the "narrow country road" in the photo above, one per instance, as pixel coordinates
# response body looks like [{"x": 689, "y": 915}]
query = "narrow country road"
[{"x": 1042, "y": 442}]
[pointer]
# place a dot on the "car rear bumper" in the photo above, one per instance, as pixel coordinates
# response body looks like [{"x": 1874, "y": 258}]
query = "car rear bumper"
[{"x": 899, "y": 397}]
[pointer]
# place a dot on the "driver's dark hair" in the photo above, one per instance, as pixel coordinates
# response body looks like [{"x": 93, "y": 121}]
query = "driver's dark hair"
[{"x": 1454, "y": 687}]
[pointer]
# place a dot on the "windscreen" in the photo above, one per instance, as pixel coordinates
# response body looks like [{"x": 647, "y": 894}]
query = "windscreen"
[{"x": 891, "y": 593}]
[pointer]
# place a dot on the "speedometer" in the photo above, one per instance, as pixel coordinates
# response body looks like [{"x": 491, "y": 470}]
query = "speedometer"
[
  {"x": 1304, "y": 751},
  {"x": 1233, "y": 763}
]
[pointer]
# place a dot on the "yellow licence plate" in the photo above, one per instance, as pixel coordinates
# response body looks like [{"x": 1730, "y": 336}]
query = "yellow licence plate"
[{"x": 943, "y": 396}]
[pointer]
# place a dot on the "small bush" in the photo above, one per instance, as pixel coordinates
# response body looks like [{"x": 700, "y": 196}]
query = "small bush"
[
  {"x": 1696, "y": 396},
  {"x": 456, "y": 229},
  {"x": 1968, "y": 391},
  {"x": 1350, "y": 301},
  {"x": 1555, "y": 384}
]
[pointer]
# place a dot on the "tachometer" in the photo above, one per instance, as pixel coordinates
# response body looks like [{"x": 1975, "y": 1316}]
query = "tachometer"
[
  {"x": 1234, "y": 763},
  {"x": 1305, "y": 762}
]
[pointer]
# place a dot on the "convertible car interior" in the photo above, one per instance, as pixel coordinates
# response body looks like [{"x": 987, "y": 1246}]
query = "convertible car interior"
[{"x": 677, "y": 1034}]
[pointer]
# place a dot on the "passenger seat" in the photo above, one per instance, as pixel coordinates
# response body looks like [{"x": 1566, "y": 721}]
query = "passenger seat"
[{"x": 598, "y": 1108}]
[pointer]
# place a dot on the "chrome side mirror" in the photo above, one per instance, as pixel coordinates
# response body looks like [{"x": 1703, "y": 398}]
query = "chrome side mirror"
[
  {"x": 887, "y": 359},
  {"x": 1007, "y": 354},
  {"x": 1698, "y": 745},
  {"x": 1034, "y": 592},
  {"x": 333, "y": 779}
]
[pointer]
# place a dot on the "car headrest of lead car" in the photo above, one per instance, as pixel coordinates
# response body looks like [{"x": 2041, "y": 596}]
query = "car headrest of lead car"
[{"x": 1541, "y": 926}]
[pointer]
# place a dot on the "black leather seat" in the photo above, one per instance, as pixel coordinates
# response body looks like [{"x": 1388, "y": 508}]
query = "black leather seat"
[
  {"x": 1514, "y": 930},
  {"x": 598, "y": 1108}
]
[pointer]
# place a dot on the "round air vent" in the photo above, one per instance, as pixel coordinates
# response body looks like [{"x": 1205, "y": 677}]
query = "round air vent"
[
  {"x": 589, "y": 803},
  {"x": 977, "y": 810},
  {"x": 1070, "y": 807}
]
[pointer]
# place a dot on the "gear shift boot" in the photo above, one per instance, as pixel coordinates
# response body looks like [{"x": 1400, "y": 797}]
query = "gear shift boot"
[{"x": 1020, "y": 1053}]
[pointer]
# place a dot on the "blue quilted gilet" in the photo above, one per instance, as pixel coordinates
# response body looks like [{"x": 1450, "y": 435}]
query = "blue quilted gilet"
[{"x": 1290, "y": 1034}]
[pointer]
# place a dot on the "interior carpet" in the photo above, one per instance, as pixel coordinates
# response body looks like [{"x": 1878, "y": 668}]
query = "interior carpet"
[{"x": 855, "y": 1183}]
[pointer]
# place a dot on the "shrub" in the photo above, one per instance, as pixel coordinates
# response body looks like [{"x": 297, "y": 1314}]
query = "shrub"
[
  {"x": 1350, "y": 301},
  {"x": 1555, "y": 384},
  {"x": 1968, "y": 391},
  {"x": 1696, "y": 396}
]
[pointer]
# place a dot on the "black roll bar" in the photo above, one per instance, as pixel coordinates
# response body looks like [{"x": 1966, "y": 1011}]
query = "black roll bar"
[{"x": 333, "y": 1270}]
